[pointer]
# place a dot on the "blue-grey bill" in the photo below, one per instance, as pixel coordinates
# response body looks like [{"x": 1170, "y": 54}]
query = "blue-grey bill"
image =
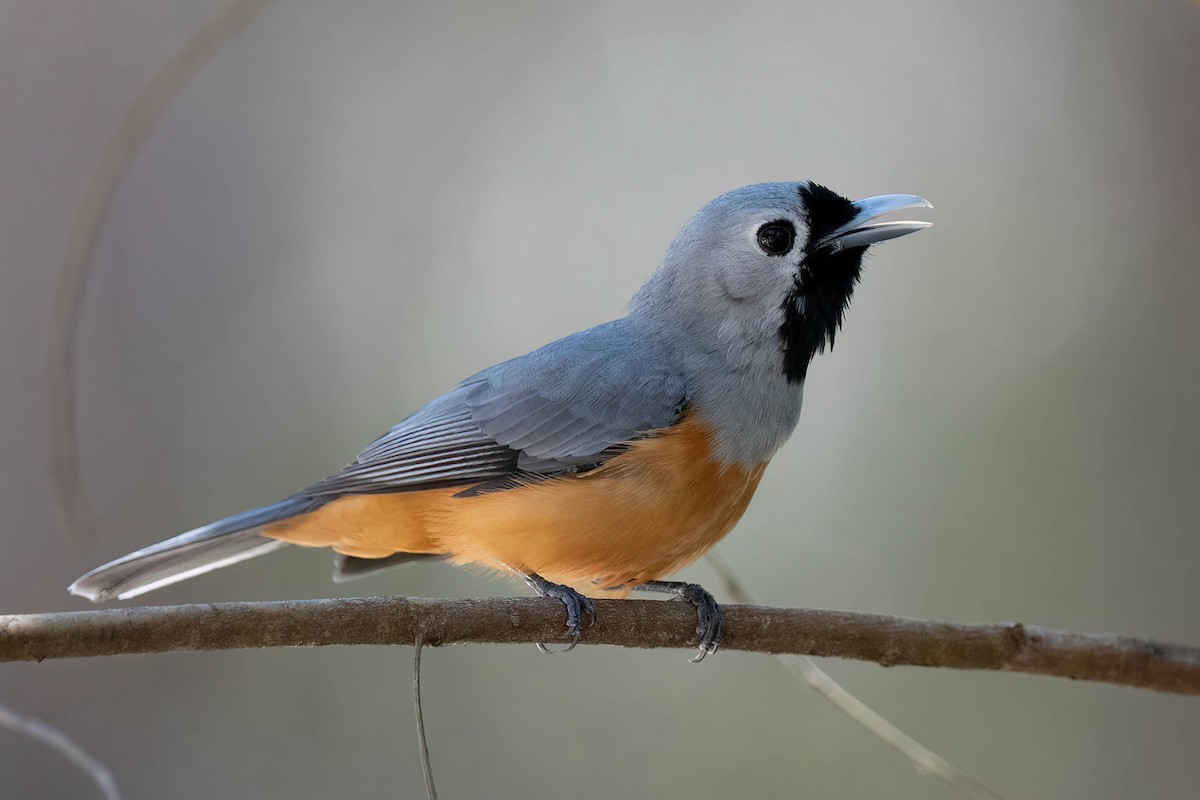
[{"x": 860, "y": 231}]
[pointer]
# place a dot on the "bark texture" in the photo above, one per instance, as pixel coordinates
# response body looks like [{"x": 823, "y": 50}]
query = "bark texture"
[{"x": 889, "y": 641}]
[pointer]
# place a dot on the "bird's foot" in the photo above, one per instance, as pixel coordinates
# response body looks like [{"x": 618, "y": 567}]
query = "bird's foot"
[
  {"x": 708, "y": 612},
  {"x": 577, "y": 605}
]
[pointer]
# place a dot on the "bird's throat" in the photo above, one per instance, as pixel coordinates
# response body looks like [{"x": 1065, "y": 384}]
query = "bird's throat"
[{"x": 814, "y": 309}]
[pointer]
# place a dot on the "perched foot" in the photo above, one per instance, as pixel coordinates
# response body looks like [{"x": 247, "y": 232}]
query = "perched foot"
[
  {"x": 577, "y": 605},
  {"x": 708, "y": 613}
]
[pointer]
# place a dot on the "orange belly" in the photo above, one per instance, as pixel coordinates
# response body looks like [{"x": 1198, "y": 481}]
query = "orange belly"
[{"x": 639, "y": 517}]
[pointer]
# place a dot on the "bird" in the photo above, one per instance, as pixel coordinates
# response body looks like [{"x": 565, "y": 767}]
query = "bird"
[{"x": 603, "y": 462}]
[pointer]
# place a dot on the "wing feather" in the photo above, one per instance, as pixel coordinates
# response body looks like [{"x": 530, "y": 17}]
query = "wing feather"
[{"x": 567, "y": 406}]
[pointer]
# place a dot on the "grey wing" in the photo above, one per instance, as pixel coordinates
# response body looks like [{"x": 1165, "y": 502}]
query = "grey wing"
[
  {"x": 438, "y": 446},
  {"x": 567, "y": 406}
]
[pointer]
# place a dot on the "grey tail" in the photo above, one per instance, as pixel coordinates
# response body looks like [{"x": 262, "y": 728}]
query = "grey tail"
[
  {"x": 210, "y": 547},
  {"x": 351, "y": 568}
]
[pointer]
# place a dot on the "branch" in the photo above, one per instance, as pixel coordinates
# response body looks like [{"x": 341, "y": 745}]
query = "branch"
[
  {"x": 54, "y": 738},
  {"x": 923, "y": 759},
  {"x": 91, "y": 213},
  {"x": 889, "y": 641}
]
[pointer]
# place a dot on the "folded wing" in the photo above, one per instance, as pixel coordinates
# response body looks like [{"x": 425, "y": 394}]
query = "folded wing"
[{"x": 568, "y": 406}]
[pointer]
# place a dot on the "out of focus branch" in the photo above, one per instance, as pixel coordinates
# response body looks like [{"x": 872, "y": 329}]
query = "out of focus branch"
[
  {"x": 91, "y": 212},
  {"x": 52, "y": 737},
  {"x": 889, "y": 641},
  {"x": 923, "y": 759}
]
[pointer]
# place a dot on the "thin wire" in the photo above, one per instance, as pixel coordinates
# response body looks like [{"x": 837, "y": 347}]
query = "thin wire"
[
  {"x": 57, "y": 740},
  {"x": 422, "y": 744},
  {"x": 923, "y": 759}
]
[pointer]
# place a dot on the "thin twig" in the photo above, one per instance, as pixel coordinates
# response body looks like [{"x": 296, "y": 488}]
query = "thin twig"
[
  {"x": 90, "y": 215},
  {"x": 923, "y": 759},
  {"x": 54, "y": 738},
  {"x": 422, "y": 744},
  {"x": 889, "y": 641}
]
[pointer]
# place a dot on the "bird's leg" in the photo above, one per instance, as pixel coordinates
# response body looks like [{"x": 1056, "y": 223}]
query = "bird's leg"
[
  {"x": 577, "y": 605},
  {"x": 708, "y": 613}
]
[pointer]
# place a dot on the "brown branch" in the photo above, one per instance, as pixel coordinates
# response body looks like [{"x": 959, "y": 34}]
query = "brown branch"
[{"x": 890, "y": 641}]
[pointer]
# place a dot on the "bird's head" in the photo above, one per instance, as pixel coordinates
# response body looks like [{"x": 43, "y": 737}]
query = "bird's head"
[{"x": 765, "y": 273}]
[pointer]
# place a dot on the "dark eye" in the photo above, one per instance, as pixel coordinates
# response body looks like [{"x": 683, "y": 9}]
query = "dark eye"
[{"x": 776, "y": 238}]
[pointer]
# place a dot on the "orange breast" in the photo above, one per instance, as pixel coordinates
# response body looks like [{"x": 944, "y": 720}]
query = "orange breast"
[{"x": 641, "y": 516}]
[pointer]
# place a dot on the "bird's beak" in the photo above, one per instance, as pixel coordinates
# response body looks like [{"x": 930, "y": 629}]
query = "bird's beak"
[{"x": 860, "y": 231}]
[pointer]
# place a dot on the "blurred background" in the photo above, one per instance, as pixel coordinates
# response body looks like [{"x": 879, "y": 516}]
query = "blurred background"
[{"x": 353, "y": 205}]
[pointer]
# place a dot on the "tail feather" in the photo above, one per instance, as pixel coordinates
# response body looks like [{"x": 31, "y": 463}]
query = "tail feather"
[
  {"x": 351, "y": 568},
  {"x": 210, "y": 547}
]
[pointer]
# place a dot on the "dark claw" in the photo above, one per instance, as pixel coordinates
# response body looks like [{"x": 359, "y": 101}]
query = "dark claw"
[
  {"x": 708, "y": 619},
  {"x": 708, "y": 613},
  {"x": 576, "y": 603}
]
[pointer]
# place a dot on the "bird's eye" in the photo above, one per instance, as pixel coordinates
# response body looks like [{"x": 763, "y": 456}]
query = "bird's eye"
[{"x": 776, "y": 238}]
